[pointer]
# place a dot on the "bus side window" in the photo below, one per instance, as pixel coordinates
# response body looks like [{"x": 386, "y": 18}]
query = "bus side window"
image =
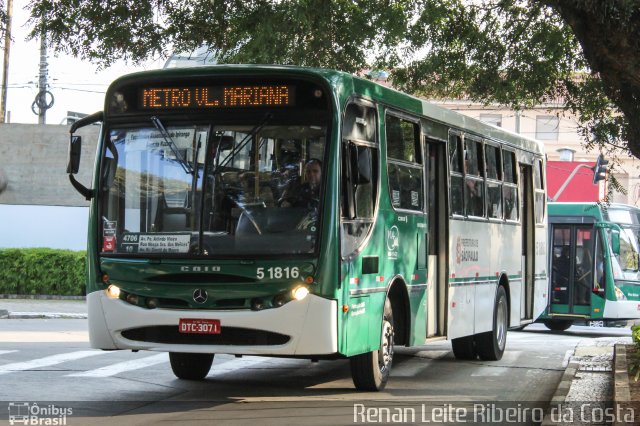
[
  {"x": 404, "y": 163},
  {"x": 455, "y": 169},
  {"x": 494, "y": 184},
  {"x": 599, "y": 285},
  {"x": 474, "y": 184},
  {"x": 509, "y": 187}
]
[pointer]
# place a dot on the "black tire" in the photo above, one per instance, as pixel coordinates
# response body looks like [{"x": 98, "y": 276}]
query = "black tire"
[
  {"x": 464, "y": 348},
  {"x": 490, "y": 345},
  {"x": 558, "y": 325},
  {"x": 190, "y": 366},
  {"x": 370, "y": 371}
]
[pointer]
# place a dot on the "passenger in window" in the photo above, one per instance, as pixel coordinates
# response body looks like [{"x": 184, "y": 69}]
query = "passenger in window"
[
  {"x": 308, "y": 193},
  {"x": 509, "y": 205},
  {"x": 474, "y": 198},
  {"x": 584, "y": 279},
  {"x": 561, "y": 266}
]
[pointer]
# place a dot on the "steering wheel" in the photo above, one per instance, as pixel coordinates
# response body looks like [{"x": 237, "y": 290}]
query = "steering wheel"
[{"x": 287, "y": 201}]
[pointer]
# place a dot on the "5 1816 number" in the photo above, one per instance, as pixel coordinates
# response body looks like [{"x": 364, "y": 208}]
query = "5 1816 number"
[{"x": 278, "y": 273}]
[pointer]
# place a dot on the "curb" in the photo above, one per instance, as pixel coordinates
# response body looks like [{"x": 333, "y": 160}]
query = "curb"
[
  {"x": 560, "y": 395},
  {"x": 41, "y": 297},
  {"x": 621, "y": 393},
  {"x": 41, "y": 315}
]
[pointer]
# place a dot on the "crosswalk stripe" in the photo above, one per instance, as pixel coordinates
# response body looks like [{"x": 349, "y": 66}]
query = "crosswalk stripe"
[
  {"x": 121, "y": 367},
  {"x": 7, "y": 352},
  {"x": 46, "y": 361}
]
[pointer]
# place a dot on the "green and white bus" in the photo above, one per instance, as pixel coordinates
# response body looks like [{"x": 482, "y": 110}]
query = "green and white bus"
[
  {"x": 427, "y": 224},
  {"x": 593, "y": 259}
]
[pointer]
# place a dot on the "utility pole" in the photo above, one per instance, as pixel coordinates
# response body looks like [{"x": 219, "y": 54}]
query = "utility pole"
[
  {"x": 42, "y": 80},
  {"x": 44, "y": 99},
  {"x": 5, "y": 69}
]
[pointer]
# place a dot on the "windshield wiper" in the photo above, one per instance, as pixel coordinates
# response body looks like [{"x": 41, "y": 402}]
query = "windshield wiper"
[{"x": 167, "y": 138}]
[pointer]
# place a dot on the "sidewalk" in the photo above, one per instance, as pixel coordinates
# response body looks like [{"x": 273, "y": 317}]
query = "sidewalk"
[
  {"x": 39, "y": 308},
  {"x": 587, "y": 385}
]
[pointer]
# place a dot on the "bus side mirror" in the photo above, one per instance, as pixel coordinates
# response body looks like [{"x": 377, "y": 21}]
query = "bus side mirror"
[
  {"x": 75, "y": 151},
  {"x": 615, "y": 241}
]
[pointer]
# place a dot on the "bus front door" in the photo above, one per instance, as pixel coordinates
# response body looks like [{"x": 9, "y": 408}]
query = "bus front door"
[
  {"x": 572, "y": 269},
  {"x": 437, "y": 217},
  {"x": 528, "y": 244}
]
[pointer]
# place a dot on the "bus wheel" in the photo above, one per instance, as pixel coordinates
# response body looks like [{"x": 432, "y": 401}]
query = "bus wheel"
[
  {"x": 370, "y": 371},
  {"x": 190, "y": 366},
  {"x": 464, "y": 348},
  {"x": 492, "y": 343},
  {"x": 558, "y": 325}
]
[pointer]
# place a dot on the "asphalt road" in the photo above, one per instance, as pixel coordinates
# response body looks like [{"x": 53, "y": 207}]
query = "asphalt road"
[{"x": 47, "y": 364}]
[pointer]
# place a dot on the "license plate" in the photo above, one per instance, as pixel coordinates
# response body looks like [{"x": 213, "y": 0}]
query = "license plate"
[{"x": 199, "y": 326}]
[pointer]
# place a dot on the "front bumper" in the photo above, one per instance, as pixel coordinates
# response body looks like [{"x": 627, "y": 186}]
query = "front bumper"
[
  {"x": 622, "y": 309},
  {"x": 304, "y": 328}
]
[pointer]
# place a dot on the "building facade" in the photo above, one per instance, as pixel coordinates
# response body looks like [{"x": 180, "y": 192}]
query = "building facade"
[{"x": 559, "y": 132}]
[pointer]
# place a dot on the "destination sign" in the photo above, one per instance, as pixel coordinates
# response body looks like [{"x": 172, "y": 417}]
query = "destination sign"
[{"x": 194, "y": 97}]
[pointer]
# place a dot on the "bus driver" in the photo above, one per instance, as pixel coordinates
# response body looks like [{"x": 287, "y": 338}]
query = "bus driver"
[{"x": 307, "y": 194}]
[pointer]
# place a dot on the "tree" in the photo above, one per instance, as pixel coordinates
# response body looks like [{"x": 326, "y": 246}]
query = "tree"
[{"x": 519, "y": 53}]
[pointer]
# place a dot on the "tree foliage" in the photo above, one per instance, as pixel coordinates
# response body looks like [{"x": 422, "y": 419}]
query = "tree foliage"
[{"x": 580, "y": 54}]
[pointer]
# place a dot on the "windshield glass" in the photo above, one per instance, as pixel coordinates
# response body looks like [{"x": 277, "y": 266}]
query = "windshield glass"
[
  {"x": 625, "y": 265},
  {"x": 220, "y": 190}
]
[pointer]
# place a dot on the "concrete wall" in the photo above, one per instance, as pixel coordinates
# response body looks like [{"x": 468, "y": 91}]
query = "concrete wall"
[
  {"x": 38, "y": 205},
  {"x": 33, "y": 164}
]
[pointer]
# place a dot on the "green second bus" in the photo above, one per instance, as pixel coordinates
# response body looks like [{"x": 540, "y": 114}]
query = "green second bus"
[
  {"x": 595, "y": 275},
  {"x": 284, "y": 211}
]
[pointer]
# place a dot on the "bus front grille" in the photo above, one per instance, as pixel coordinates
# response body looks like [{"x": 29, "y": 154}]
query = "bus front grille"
[{"x": 232, "y": 336}]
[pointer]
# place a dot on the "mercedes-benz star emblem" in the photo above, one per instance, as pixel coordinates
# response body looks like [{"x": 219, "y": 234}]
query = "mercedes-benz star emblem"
[{"x": 200, "y": 295}]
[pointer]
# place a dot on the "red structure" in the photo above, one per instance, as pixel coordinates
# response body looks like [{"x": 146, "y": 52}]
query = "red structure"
[{"x": 581, "y": 187}]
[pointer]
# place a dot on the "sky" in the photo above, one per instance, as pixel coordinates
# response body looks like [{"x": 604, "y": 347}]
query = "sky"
[{"x": 75, "y": 84}]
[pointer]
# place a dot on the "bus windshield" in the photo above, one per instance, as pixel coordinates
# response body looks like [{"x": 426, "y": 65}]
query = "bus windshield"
[
  {"x": 625, "y": 265},
  {"x": 209, "y": 189}
]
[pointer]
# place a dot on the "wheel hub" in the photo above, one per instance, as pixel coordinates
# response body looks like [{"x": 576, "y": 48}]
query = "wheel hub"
[{"x": 386, "y": 347}]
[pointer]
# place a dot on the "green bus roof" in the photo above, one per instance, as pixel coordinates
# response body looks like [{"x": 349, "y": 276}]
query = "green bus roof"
[{"x": 591, "y": 209}]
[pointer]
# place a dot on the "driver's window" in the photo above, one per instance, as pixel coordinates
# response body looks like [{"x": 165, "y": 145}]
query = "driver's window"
[{"x": 360, "y": 166}]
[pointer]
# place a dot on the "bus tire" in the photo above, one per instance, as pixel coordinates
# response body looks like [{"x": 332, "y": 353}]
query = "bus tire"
[
  {"x": 490, "y": 345},
  {"x": 188, "y": 366},
  {"x": 558, "y": 325},
  {"x": 370, "y": 371},
  {"x": 464, "y": 348}
]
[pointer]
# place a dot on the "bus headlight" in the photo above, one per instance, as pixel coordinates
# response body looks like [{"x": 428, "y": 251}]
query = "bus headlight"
[
  {"x": 113, "y": 292},
  {"x": 619, "y": 294},
  {"x": 300, "y": 292}
]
